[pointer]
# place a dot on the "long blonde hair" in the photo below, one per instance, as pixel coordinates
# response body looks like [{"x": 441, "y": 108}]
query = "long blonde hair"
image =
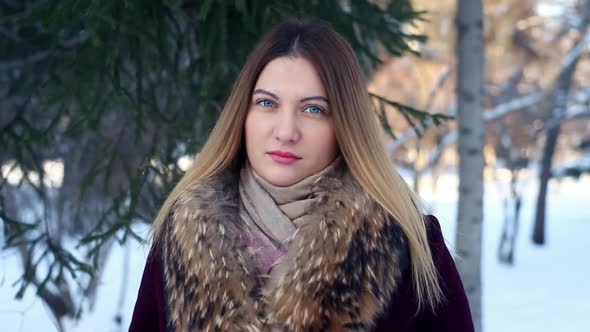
[{"x": 357, "y": 130}]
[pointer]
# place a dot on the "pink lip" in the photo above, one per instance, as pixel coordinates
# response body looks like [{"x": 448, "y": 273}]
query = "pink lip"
[{"x": 283, "y": 157}]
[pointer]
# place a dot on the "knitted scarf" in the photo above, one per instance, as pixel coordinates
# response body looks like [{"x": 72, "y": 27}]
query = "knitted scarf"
[{"x": 275, "y": 212}]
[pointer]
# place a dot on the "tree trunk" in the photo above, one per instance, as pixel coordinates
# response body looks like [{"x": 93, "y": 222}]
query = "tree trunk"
[
  {"x": 544, "y": 176},
  {"x": 558, "y": 106},
  {"x": 512, "y": 206},
  {"x": 470, "y": 53}
]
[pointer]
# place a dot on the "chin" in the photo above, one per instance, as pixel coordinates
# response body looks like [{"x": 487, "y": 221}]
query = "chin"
[
  {"x": 281, "y": 179},
  {"x": 282, "y": 182}
]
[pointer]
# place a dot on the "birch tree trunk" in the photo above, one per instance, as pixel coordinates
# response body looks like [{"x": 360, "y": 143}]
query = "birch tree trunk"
[{"x": 470, "y": 54}]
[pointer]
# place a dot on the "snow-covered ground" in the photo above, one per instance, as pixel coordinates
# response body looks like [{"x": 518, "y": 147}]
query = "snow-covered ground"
[{"x": 546, "y": 290}]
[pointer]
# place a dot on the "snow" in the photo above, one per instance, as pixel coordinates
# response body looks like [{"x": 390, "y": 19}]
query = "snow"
[
  {"x": 30, "y": 314},
  {"x": 546, "y": 290},
  {"x": 581, "y": 165}
]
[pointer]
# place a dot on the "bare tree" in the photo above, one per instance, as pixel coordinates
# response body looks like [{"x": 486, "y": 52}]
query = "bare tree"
[
  {"x": 470, "y": 54},
  {"x": 512, "y": 203},
  {"x": 558, "y": 114}
]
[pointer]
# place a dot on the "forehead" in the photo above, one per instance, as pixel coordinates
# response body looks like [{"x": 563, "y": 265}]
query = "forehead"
[{"x": 290, "y": 76}]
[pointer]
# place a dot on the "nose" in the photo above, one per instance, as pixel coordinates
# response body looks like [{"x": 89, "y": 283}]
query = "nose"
[{"x": 286, "y": 129}]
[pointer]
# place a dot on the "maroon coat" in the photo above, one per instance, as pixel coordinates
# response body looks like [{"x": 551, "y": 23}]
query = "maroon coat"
[{"x": 453, "y": 315}]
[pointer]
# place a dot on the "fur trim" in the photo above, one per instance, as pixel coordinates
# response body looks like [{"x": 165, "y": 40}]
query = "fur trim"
[{"x": 341, "y": 270}]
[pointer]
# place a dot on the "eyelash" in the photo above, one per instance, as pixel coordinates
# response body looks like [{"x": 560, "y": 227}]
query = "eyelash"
[
  {"x": 322, "y": 111},
  {"x": 259, "y": 102}
]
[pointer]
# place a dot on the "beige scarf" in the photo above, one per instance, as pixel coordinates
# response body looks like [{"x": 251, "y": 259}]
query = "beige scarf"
[{"x": 277, "y": 211}]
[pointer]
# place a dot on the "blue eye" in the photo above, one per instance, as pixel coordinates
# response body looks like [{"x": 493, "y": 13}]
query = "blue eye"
[
  {"x": 266, "y": 103},
  {"x": 314, "y": 110}
]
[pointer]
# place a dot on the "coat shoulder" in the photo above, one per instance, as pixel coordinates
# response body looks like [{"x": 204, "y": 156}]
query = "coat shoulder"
[
  {"x": 149, "y": 310},
  {"x": 453, "y": 314},
  {"x": 433, "y": 228}
]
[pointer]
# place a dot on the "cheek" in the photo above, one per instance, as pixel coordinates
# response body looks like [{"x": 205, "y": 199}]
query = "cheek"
[
  {"x": 256, "y": 132},
  {"x": 250, "y": 130},
  {"x": 326, "y": 143}
]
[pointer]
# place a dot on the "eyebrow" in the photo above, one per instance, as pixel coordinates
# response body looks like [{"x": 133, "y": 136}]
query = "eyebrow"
[
  {"x": 315, "y": 98},
  {"x": 262, "y": 91},
  {"x": 266, "y": 93}
]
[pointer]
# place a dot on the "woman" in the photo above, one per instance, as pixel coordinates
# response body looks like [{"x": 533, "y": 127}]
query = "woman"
[{"x": 292, "y": 217}]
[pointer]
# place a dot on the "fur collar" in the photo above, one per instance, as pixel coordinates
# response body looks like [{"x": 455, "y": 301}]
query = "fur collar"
[{"x": 340, "y": 273}]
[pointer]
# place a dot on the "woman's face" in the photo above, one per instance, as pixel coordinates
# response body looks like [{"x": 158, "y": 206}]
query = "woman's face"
[{"x": 289, "y": 128}]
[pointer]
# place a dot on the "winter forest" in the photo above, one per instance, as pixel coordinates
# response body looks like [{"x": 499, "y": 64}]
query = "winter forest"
[{"x": 485, "y": 109}]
